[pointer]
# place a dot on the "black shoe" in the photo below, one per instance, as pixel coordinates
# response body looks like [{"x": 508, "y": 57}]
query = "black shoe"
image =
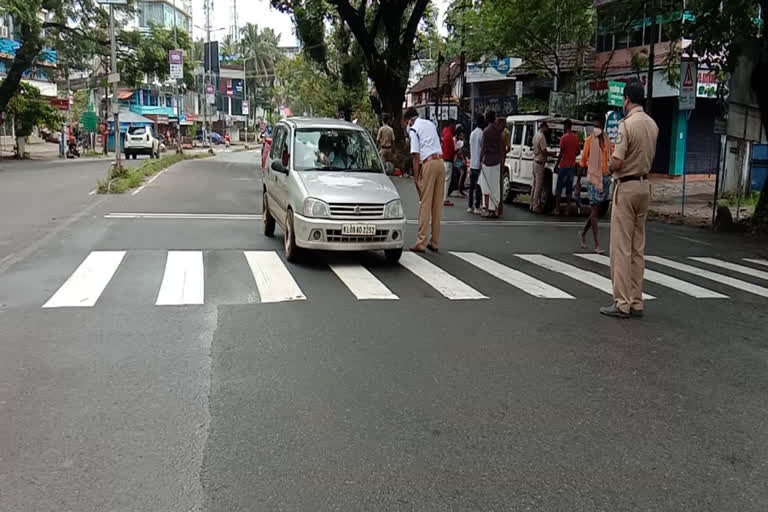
[
  {"x": 636, "y": 313},
  {"x": 613, "y": 311}
]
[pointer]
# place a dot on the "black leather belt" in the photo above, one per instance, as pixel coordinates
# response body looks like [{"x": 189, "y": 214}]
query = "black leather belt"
[{"x": 633, "y": 178}]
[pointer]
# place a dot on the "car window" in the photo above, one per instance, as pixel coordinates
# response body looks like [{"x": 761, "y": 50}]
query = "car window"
[
  {"x": 277, "y": 141},
  {"x": 529, "y": 134},
  {"x": 517, "y": 134},
  {"x": 137, "y": 130},
  {"x": 335, "y": 149}
]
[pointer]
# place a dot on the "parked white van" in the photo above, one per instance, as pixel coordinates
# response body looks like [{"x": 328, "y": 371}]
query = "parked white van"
[{"x": 518, "y": 172}]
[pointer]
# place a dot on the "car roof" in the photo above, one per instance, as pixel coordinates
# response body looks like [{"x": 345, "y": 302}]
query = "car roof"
[
  {"x": 550, "y": 119},
  {"x": 321, "y": 122}
]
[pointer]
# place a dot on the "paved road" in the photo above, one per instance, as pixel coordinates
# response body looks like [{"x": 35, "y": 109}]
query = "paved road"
[{"x": 162, "y": 374}]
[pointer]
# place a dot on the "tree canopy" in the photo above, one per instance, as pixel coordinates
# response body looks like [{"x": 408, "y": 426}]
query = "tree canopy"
[{"x": 29, "y": 110}]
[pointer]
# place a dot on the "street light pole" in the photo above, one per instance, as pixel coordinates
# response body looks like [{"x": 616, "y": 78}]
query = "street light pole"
[{"x": 115, "y": 108}]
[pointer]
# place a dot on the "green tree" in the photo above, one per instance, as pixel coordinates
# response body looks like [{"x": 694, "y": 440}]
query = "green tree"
[
  {"x": 147, "y": 54},
  {"x": 29, "y": 110},
  {"x": 74, "y": 27},
  {"x": 537, "y": 31},
  {"x": 384, "y": 31}
]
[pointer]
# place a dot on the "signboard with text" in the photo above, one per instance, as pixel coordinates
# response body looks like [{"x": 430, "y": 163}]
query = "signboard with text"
[
  {"x": 245, "y": 108},
  {"x": 688, "y": 77},
  {"x": 210, "y": 94},
  {"x": 176, "y": 61},
  {"x": 612, "y": 120},
  {"x": 616, "y": 94}
]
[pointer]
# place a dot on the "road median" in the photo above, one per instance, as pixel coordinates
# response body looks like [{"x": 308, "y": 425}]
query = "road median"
[{"x": 129, "y": 178}]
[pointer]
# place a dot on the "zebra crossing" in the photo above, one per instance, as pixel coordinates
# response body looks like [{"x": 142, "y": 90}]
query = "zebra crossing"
[{"x": 540, "y": 276}]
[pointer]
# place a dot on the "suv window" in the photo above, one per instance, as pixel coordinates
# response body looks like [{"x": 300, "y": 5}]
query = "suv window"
[
  {"x": 517, "y": 134},
  {"x": 529, "y": 131},
  {"x": 137, "y": 130}
]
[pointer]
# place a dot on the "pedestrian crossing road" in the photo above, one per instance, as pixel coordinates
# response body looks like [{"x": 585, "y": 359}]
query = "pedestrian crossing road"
[{"x": 185, "y": 276}]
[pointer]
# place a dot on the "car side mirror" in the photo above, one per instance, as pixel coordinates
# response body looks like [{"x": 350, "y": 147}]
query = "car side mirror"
[{"x": 278, "y": 166}]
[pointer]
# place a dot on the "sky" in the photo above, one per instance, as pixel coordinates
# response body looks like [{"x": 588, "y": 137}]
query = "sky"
[{"x": 260, "y": 13}]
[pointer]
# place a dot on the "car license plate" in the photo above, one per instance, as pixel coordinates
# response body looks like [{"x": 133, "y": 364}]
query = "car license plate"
[{"x": 358, "y": 229}]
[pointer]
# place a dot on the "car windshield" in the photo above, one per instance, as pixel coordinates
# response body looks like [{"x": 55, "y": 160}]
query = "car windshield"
[
  {"x": 137, "y": 130},
  {"x": 335, "y": 149}
]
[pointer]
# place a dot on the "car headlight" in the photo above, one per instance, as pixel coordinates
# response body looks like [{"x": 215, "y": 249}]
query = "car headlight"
[
  {"x": 315, "y": 208},
  {"x": 394, "y": 210}
]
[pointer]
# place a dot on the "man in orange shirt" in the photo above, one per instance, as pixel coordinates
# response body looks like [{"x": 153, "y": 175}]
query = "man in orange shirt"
[
  {"x": 566, "y": 165},
  {"x": 594, "y": 158}
]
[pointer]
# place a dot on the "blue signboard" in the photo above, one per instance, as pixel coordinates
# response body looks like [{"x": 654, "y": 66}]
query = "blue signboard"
[{"x": 612, "y": 120}]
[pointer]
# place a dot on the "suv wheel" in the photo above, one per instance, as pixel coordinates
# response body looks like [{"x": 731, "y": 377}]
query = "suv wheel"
[
  {"x": 393, "y": 255},
  {"x": 291, "y": 250},
  {"x": 269, "y": 220}
]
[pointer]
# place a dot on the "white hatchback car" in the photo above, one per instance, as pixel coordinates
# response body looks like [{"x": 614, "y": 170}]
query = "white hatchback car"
[
  {"x": 139, "y": 140},
  {"x": 325, "y": 184}
]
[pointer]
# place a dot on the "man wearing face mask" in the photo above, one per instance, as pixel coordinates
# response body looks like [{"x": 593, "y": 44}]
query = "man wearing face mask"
[
  {"x": 631, "y": 162},
  {"x": 429, "y": 176}
]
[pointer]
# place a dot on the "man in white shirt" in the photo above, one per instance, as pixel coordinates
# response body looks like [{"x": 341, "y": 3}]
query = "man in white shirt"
[
  {"x": 475, "y": 144},
  {"x": 429, "y": 176}
]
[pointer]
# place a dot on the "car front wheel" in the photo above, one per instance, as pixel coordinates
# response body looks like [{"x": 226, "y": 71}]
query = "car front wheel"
[
  {"x": 393, "y": 255},
  {"x": 269, "y": 220},
  {"x": 292, "y": 252}
]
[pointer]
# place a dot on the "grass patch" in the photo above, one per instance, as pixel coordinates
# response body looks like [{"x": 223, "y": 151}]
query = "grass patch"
[
  {"x": 747, "y": 201},
  {"x": 130, "y": 177}
]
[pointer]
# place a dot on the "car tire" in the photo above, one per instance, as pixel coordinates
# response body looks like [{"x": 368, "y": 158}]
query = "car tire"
[
  {"x": 269, "y": 220},
  {"x": 393, "y": 255},
  {"x": 506, "y": 183},
  {"x": 292, "y": 251}
]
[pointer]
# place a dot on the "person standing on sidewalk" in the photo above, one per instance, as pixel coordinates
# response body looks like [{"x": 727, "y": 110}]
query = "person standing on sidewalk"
[
  {"x": 449, "y": 151},
  {"x": 540, "y": 156},
  {"x": 458, "y": 163},
  {"x": 631, "y": 163},
  {"x": 429, "y": 177},
  {"x": 492, "y": 149},
  {"x": 475, "y": 144},
  {"x": 385, "y": 139},
  {"x": 566, "y": 166},
  {"x": 594, "y": 158}
]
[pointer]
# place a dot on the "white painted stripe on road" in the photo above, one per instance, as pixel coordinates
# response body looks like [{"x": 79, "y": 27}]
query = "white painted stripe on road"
[
  {"x": 733, "y": 266},
  {"x": 149, "y": 182},
  {"x": 185, "y": 216},
  {"x": 714, "y": 276},
  {"x": 361, "y": 282},
  {"x": 514, "y": 277},
  {"x": 272, "y": 277},
  {"x": 85, "y": 285},
  {"x": 438, "y": 278},
  {"x": 92, "y": 192},
  {"x": 757, "y": 262},
  {"x": 589, "y": 278},
  {"x": 663, "y": 279},
  {"x": 183, "y": 279}
]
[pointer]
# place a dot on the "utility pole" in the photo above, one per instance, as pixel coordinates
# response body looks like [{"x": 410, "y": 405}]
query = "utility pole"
[
  {"x": 115, "y": 107},
  {"x": 205, "y": 74},
  {"x": 437, "y": 89},
  {"x": 651, "y": 57},
  {"x": 178, "y": 88}
]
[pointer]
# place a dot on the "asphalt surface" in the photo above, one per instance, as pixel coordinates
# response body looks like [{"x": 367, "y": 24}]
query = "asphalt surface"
[{"x": 332, "y": 403}]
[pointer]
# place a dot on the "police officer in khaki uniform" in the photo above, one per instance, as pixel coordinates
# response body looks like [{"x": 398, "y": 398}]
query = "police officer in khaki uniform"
[
  {"x": 631, "y": 162},
  {"x": 540, "y": 156}
]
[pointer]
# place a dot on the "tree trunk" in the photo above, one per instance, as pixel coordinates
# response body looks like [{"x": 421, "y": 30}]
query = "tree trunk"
[
  {"x": 31, "y": 45},
  {"x": 21, "y": 145},
  {"x": 392, "y": 103}
]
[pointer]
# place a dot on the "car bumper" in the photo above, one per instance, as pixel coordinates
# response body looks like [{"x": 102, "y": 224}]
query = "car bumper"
[
  {"x": 138, "y": 149},
  {"x": 325, "y": 234}
]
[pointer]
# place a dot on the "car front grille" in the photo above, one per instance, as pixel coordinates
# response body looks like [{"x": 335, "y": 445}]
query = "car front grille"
[
  {"x": 356, "y": 210},
  {"x": 334, "y": 235}
]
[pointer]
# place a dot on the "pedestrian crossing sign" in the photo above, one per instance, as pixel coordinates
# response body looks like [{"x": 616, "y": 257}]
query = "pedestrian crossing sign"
[{"x": 687, "y": 85}]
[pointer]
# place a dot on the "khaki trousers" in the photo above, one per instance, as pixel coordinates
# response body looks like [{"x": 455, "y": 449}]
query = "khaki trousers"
[
  {"x": 628, "y": 216},
  {"x": 539, "y": 174},
  {"x": 432, "y": 183}
]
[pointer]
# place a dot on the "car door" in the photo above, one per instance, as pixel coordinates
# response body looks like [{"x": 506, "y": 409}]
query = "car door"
[
  {"x": 514, "y": 155},
  {"x": 526, "y": 154},
  {"x": 277, "y": 181}
]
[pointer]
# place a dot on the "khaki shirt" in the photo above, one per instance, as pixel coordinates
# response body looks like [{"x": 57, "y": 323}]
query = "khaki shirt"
[
  {"x": 539, "y": 148},
  {"x": 386, "y": 136},
  {"x": 636, "y": 143}
]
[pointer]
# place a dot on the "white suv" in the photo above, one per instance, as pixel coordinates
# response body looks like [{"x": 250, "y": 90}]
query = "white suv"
[{"x": 139, "y": 140}]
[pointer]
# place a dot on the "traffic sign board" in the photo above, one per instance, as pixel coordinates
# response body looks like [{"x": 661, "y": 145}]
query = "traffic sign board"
[
  {"x": 89, "y": 120},
  {"x": 688, "y": 76}
]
